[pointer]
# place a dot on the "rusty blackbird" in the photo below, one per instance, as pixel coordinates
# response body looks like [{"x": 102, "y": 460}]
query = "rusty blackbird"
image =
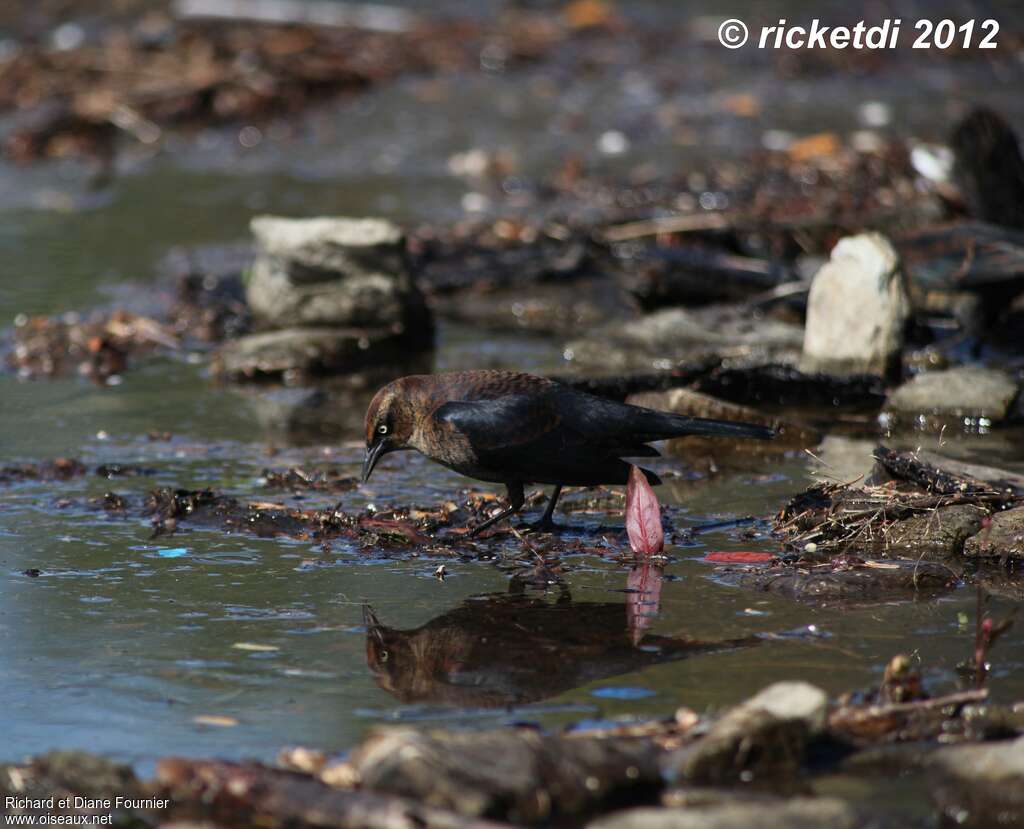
[{"x": 513, "y": 428}]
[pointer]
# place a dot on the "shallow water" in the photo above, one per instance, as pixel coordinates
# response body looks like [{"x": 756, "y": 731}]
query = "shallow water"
[{"x": 124, "y": 641}]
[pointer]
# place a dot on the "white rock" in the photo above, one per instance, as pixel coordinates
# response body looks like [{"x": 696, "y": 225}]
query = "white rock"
[
  {"x": 856, "y": 309},
  {"x": 280, "y": 236}
]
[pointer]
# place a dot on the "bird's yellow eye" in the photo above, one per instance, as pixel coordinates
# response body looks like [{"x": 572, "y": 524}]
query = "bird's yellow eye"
[{"x": 382, "y": 429}]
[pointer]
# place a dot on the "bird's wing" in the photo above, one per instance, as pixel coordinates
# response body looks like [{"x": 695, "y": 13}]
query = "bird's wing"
[
  {"x": 508, "y": 423},
  {"x": 527, "y": 438}
]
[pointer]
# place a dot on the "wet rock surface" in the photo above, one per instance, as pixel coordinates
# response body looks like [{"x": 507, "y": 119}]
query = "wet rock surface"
[
  {"x": 520, "y": 776},
  {"x": 981, "y": 785},
  {"x": 796, "y": 813},
  {"x": 965, "y": 393},
  {"x": 1002, "y": 537},
  {"x": 763, "y": 739},
  {"x": 309, "y": 352}
]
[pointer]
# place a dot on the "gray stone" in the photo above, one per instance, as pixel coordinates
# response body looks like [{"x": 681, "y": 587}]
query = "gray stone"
[
  {"x": 321, "y": 248},
  {"x": 856, "y": 309},
  {"x": 792, "y": 701},
  {"x": 517, "y": 775},
  {"x": 796, "y": 813},
  {"x": 1003, "y": 537},
  {"x": 293, "y": 352},
  {"x": 935, "y": 535},
  {"x": 333, "y": 272},
  {"x": 982, "y": 785},
  {"x": 964, "y": 392},
  {"x": 762, "y": 738},
  {"x": 366, "y": 299}
]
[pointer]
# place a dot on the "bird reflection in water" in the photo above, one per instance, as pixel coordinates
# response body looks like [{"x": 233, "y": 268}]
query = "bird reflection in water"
[{"x": 517, "y": 648}]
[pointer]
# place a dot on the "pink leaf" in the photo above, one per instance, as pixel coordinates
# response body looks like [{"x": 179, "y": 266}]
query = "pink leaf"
[
  {"x": 739, "y": 558},
  {"x": 643, "y": 598},
  {"x": 643, "y": 516}
]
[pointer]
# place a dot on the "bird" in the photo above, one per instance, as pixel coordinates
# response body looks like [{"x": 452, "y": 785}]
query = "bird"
[{"x": 514, "y": 428}]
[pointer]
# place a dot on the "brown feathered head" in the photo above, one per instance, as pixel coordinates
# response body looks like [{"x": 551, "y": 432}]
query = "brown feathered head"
[{"x": 389, "y": 424}]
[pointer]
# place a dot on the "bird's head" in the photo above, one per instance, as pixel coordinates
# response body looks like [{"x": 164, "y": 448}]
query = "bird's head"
[{"x": 389, "y": 425}]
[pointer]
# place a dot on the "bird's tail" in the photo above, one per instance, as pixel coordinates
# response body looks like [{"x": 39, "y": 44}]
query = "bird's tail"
[
  {"x": 720, "y": 428},
  {"x": 654, "y": 425}
]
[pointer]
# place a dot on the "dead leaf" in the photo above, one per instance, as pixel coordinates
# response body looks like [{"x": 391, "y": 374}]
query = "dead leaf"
[{"x": 643, "y": 515}]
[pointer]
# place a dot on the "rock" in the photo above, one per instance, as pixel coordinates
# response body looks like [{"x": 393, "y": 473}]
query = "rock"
[
  {"x": 761, "y": 739},
  {"x": 517, "y": 775},
  {"x": 792, "y": 701},
  {"x": 308, "y": 352},
  {"x": 334, "y": 272},
  {"x": 222, "y": 793},
  {"x": 1003, "y": 537},
  {"x": 796, "y": 813},
  {"x": 371, "y": 299},
  {"x": 856, "y": 309},
  {"x": 677, "y": 334},
  {"x": 967, "y": 392},
  {"x": 935, "y": 535},
  {"x": 315, "y": 250},
  {"x": 981, "y": 785}
]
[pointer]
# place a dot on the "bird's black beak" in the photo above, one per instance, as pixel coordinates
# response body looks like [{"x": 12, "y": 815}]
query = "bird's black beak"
[
  {"x": 373, "y": 454},
  {"x": 374, "y": 628}
]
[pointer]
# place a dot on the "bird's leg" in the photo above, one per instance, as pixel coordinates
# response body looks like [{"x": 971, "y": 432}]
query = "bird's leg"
[
  {"x": 516, "y": 499},
  {"x": 545, "y": 524}
]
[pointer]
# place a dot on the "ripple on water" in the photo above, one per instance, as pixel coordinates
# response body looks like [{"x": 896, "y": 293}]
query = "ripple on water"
[{"x": 242, "y": 613}]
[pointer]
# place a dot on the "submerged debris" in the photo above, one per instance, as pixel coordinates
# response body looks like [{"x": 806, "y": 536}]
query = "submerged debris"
[
  {"x": 63, "y": 469},
  {"x": 60, "y": 469},
  {"x": 297, "y": 479},
  {"x": 98, "y": 347},
  {"x": 846, "y": 580}
]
